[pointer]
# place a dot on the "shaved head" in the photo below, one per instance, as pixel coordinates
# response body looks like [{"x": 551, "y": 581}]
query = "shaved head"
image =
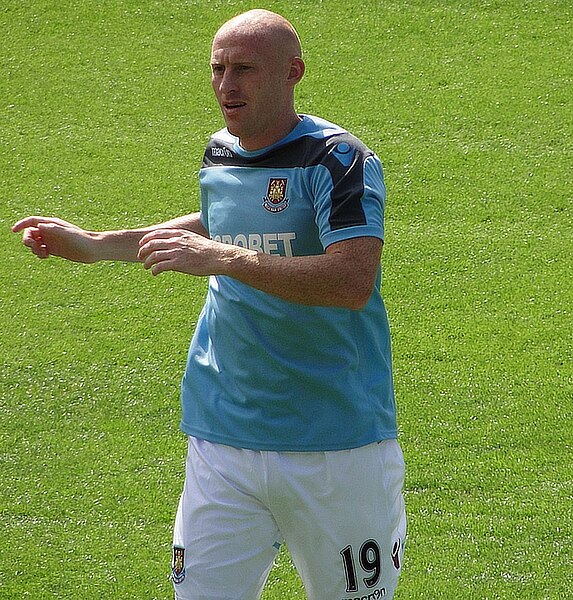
[{"x": 265, "y": 29}]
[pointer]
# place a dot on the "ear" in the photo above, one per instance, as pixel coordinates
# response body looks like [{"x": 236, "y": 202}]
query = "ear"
[{"x": 296, "y": 71}]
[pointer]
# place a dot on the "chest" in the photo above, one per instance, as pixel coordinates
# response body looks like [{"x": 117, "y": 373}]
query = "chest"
[{"x": 268, "y": 210}]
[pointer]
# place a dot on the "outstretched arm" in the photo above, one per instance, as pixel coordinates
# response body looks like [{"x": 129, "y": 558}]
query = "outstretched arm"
[
  {"x": 50, "y": 236},
  {"x": 344, "y": 276}
]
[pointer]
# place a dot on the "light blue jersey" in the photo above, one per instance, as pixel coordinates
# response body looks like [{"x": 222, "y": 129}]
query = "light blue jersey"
[{"x": 268, "y": 374}]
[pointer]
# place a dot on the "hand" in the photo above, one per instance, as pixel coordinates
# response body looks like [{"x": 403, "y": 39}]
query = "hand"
[
  {"x": 180, "y": 250},
  {"x": 49, "y": 236}
]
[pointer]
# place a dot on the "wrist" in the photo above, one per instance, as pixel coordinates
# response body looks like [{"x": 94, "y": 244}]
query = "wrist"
[
  {"x": 120, "y": 245},
  {"x": 92, "y": 247},
  {"x": 235, "y": 261}
]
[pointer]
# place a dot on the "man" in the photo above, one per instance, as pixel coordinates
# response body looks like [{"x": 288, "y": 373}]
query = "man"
[{"x": 287, "y": 396}]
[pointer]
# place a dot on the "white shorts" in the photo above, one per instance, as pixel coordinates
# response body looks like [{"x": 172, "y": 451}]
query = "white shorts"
[{"x": 341, "y": 515}]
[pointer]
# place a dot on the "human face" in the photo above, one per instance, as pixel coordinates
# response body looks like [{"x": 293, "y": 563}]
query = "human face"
[{"x": 254, "y": 86}]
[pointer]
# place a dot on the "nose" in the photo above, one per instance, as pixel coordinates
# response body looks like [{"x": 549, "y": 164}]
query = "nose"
[{"x": 227, "y": 82}]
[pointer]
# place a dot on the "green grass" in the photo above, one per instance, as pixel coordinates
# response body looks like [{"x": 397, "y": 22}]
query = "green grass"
[{"x": 105, "y": 110}]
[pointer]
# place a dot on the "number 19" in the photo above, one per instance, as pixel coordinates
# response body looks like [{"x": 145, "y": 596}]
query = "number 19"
[{"x": 370, "y": 561}]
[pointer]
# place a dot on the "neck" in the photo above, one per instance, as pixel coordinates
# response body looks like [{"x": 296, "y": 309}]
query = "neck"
[{"x": 270, "y": 137}]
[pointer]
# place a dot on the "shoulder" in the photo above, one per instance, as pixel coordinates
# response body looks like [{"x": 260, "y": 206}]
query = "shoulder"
[
  {"x": 333, "y": 146},
  {"x": 332, "y": 134}
]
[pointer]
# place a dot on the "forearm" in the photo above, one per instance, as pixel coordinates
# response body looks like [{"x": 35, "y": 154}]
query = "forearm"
[
  {"x": 191, "y": 222},
  {"x": 123, "y": 245},
  {"x": 331, "y": 279},
  {"x": 51, "y": 236},
  {"x": 298, "y": 279}
]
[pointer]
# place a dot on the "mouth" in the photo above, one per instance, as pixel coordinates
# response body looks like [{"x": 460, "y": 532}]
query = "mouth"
[{"x": 232, "y": 107}]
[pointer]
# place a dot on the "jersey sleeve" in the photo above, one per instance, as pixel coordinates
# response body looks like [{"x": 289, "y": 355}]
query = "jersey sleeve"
[{"x": 349, "y": 193}]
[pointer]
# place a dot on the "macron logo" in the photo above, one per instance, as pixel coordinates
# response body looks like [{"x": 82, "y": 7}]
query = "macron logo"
[{"x": 219, "y": 152}]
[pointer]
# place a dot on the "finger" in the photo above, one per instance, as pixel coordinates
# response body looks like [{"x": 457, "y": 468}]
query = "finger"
[
  {"x": 41, "y": 251},
  {"x": 33, "y": 240},
  {"x": 161, "y": 267},
  {"x": 154, "y": 257},
  {"x": 156, "y": 245},
  {"x": 31, "y": 237},
  {"x": 158, "y": 234},
  {"x": 168, "y": 263},
  {"x": 35, "y": 221},
  {"x": 145, "y": 251},
  {"x": 25, "y": 223}
]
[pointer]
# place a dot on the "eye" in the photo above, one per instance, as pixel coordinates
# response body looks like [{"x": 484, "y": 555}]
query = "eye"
[{"x": 217, "y": 69}]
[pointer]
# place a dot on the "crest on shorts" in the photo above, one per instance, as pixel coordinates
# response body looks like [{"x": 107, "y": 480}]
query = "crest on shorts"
[
  {"x": 276, "y": 200},
  {"x": 178, "y": 565},
  {"x": 397, "y": 554}
]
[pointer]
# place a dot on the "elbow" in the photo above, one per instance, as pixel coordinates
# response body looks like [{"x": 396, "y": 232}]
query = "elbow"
[
  {"x": 356, "y": 297},
  {"x": 358, "y": 303}
]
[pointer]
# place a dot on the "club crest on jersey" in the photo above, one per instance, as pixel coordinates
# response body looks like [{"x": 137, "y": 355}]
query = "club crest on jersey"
[
  {"x": 276, "y": 201},
  {"x": 178, "y": 566}
]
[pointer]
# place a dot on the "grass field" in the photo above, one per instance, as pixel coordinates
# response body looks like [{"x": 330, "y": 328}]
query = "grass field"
[{"x": 105, "y": 110}]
